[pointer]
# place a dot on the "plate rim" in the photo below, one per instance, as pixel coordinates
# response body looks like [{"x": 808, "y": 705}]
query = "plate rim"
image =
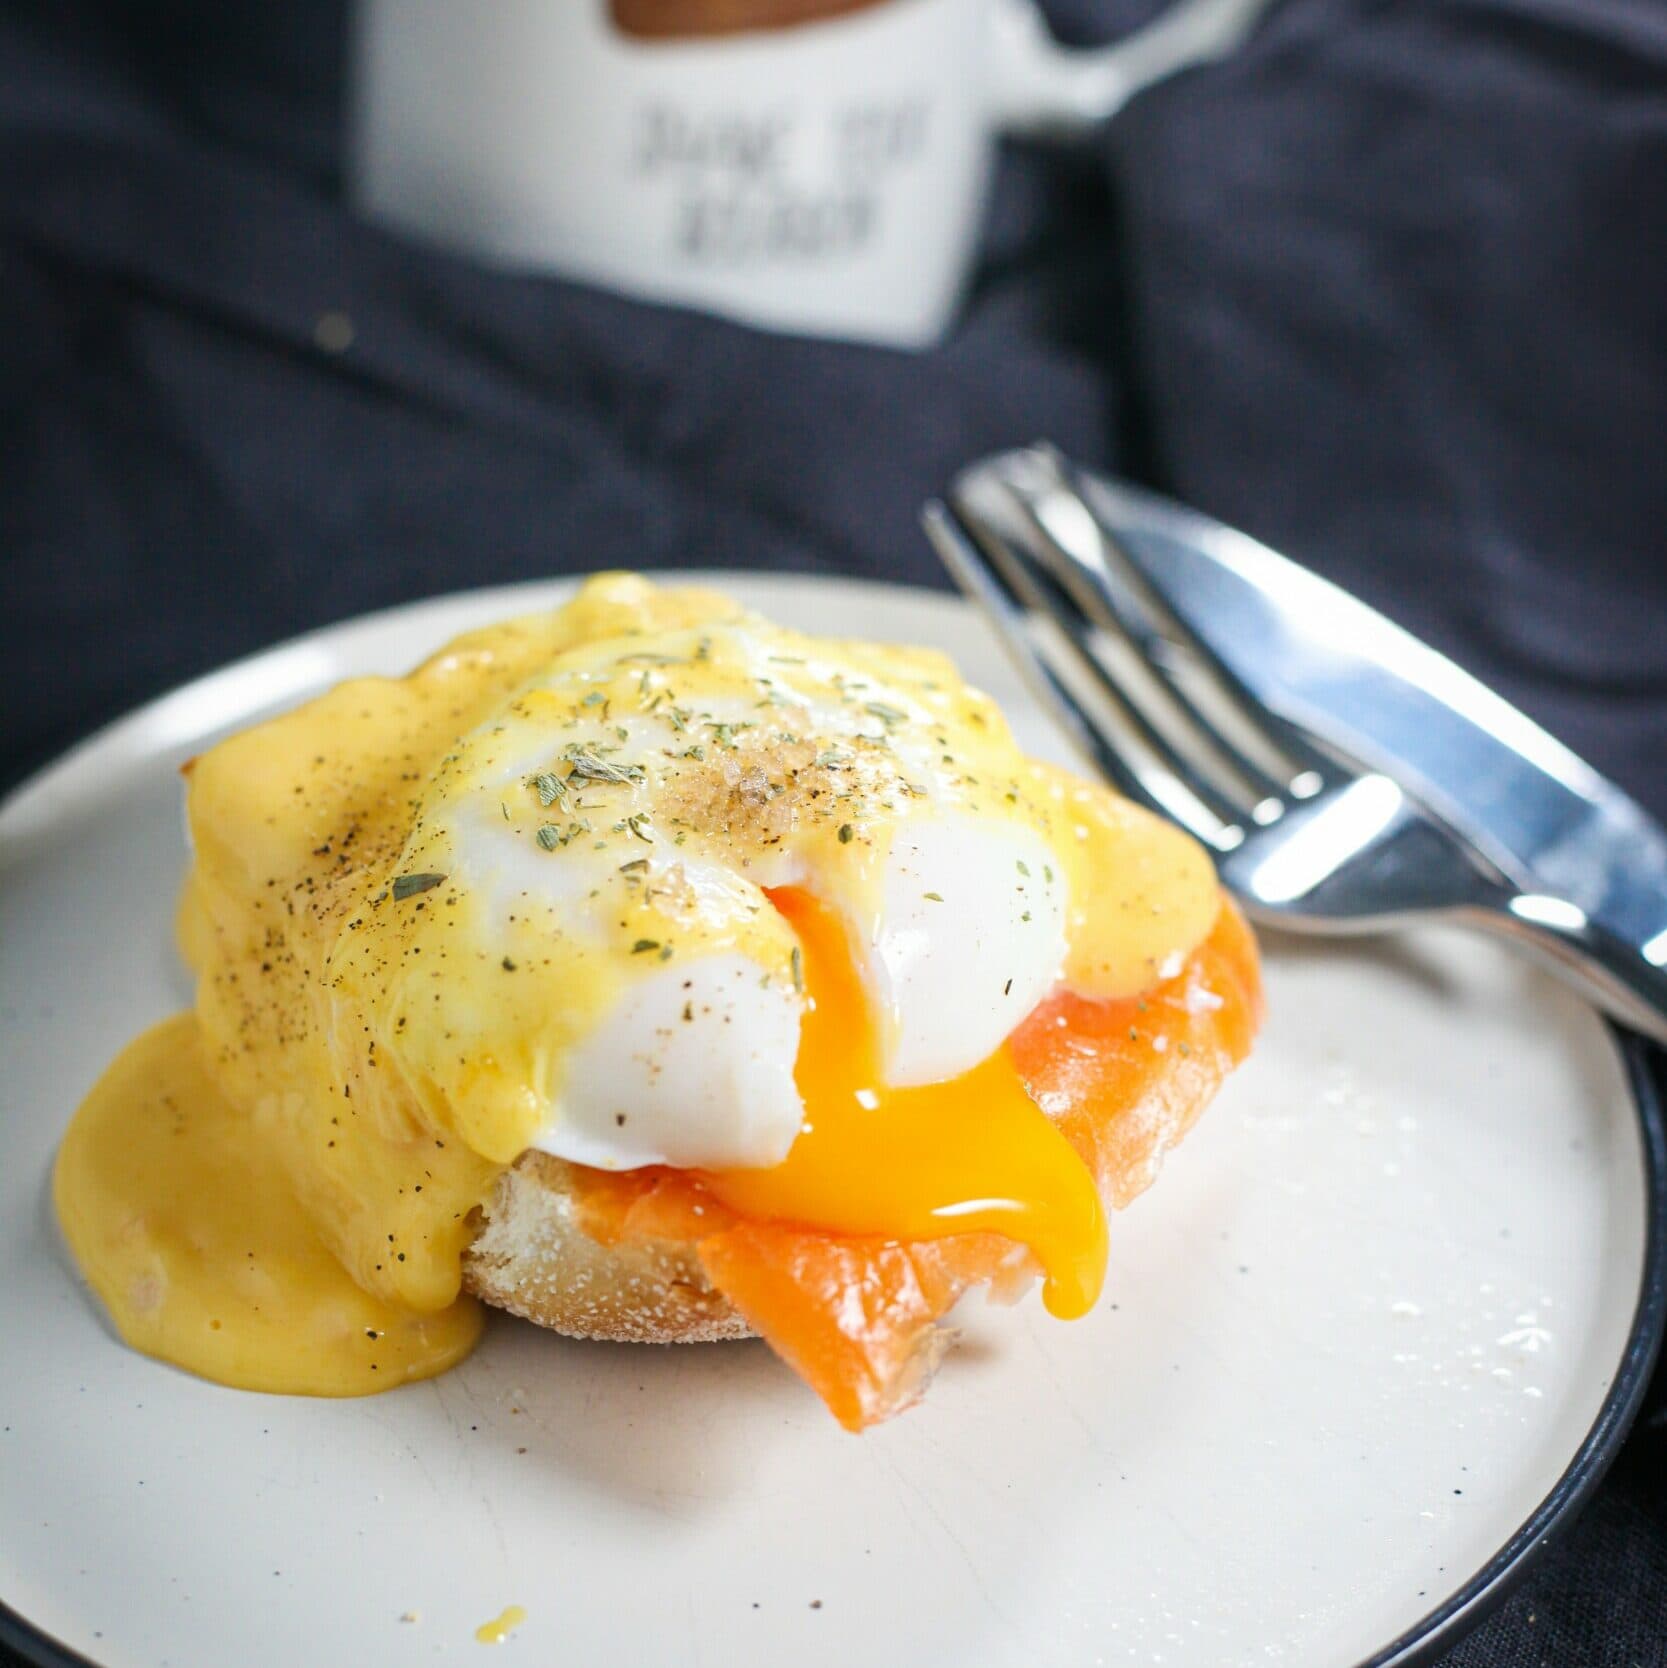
[{"x": 1440, "y": 1628}]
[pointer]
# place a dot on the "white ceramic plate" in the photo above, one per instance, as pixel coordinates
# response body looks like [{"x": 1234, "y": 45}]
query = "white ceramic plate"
[{"x": 1377, "y": 1327}]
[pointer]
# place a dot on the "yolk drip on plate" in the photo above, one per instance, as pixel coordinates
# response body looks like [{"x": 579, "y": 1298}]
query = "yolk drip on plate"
[{"x": 973, "y": 1154}]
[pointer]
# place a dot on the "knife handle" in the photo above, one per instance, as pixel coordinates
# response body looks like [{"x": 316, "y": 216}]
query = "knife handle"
[{"x": 1605, "y": 968}]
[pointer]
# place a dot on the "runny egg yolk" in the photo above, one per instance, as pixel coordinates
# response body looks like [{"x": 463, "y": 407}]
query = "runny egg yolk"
[{"x": 973, "y": 1154}]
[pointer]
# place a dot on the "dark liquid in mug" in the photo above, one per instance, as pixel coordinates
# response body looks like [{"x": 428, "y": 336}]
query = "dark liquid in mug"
[{"x": 683, "y": 19}]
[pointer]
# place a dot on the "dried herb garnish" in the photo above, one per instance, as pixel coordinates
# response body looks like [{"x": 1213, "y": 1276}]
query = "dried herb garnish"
[
  {"x": 550, "y": 788},
  {"x": 408, "y": 886},
  {"x": 846, "y": 833},
  {"x": 591, "y": 768},
  {"x": 724, "y": 734}
]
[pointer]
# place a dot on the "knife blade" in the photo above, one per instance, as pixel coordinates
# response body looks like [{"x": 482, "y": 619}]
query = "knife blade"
[{"x": 1333, "y": 664}]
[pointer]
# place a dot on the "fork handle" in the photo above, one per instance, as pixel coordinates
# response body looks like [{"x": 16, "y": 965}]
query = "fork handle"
[{"x": 1605, "y": 968}]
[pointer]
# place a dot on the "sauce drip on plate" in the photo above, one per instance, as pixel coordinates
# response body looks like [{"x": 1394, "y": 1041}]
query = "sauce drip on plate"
[{"x": 189, "y": 1234}]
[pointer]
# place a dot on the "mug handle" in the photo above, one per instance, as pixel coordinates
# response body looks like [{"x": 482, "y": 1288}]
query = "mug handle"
[{"x": 1045, "y": 90}]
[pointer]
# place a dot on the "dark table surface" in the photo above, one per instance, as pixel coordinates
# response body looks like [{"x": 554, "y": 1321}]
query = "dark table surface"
[{"x": 1386, "y": 289}]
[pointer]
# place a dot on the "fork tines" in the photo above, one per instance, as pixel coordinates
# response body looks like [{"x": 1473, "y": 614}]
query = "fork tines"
[{"x": 1143, "y": 696}]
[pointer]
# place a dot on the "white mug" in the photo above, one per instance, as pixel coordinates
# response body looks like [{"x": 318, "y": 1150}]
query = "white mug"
[{"x": 815, "y": 166}]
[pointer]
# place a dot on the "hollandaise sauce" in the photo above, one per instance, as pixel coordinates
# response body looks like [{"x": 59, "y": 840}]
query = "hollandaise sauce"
[
  {"x": 188, "y": 1232},
  {"x": 496, "y": 1631}
]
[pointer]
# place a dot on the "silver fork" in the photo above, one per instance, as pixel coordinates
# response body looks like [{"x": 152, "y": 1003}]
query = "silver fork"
[{"x": 1307, "y": 837}]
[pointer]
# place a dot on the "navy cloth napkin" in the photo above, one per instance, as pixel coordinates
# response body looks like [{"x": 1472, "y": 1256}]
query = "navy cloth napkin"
[{"x": 1388, "y": 288}]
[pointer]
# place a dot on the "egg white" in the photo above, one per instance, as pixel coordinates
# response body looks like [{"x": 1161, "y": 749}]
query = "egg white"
[{"x": 956, "y": 915}]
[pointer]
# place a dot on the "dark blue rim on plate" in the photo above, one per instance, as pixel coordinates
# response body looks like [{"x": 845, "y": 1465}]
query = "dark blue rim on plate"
[
  {"x": 1443, "y": 1627},
  {"x": 1448, "y": 1623}
]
